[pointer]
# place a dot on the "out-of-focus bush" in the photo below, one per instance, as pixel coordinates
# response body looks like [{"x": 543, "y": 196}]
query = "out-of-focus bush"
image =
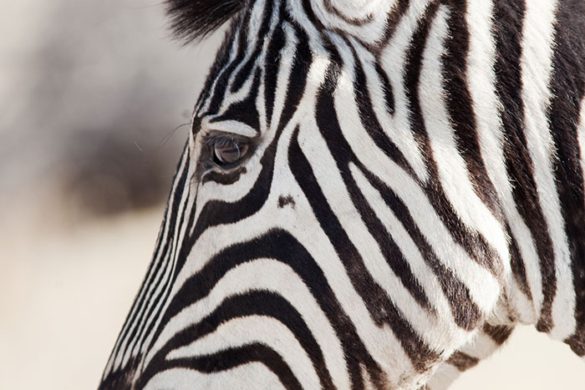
[{"x": 92, "y": 98}]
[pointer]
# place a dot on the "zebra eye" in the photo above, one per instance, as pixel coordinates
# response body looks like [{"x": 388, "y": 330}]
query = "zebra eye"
[{"x": 228, "y": 151}]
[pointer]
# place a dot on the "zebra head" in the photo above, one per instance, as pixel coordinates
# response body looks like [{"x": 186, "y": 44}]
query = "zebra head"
[
  {"x": 332, "y": 222},
  {"x": 290, "y": 219}
]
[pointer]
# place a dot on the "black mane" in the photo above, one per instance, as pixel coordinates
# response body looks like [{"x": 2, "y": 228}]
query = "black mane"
[{"x": 191, "y": 19}]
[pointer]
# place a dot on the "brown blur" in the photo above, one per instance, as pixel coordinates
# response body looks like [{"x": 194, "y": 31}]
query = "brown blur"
[{"x": 95, "y": 103}]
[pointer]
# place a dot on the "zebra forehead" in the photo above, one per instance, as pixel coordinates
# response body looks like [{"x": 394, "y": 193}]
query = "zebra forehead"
[
  {"x": 192, "y": 19},
  {"x": 372, "y": 22}
]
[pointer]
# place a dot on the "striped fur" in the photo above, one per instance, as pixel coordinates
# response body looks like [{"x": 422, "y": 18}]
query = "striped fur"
[{"x": 414, "y": 188}]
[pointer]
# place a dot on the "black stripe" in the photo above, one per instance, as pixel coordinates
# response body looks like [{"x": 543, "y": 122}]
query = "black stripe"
[
  {"x": 228, "y": 45},
  {"x": 281, "y": 246},
  {"x": 498, "y": 333},
  {"x": 227, "y": 68},
  {"x": 330, "y": 7},
  {"x": 254, "y": 302},
  {"x": 120, "y": 379},
  {"x": 473, "y": 243},
  {"x": 392, "y": 22},
  {"x": 460, "y": 106},
  {"x": 386, "y": 88},
  {"x": 217, "y": 212},
  {"x": 386, "y": 244},
  {"x": 244, "y": 110},
  {"x": 465, "y": 312},
  {"x": 517, "y": 266},
  {"x": 462, "y": 361},
  {"x": 368, "y": 116},
  {"x": 272, "y": 69},
  {"x": 508, "y": 27},
  {"x": 152, "y": 285},
  {"x": 254, "y": 50},
  {"x": 150, "y": 317},
  {"x": 377, "y": 301},
  {"x": 568, "y": 85},
  {"x": 234, "y": 357}
]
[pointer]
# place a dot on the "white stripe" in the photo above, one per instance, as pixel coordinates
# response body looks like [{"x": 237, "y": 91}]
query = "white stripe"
[
  {"x": 162, "y": 304},
  {"x": 395, "y": 127},
  {"x": 146, "y": 291},
  {"x": 443, "y": 377},
  {"x": 257, "y": 17},
  {"x": 230, "y": 98},
  {"x": 284, "y": 72},
  {"x": 252, "y": 376},
  {"x": 441, "y": 333},
  {"x": 156, "y": 301},
  {"x": 344, "y": 208},
  {"x": 255, "y": 22},
  {"x": 481, "y": 346},
  {"x": 484, "y": 288},
  {"x": 229, "y": 126},
  {"x": 375, "y": 10},
  {"x": 243, "y": 331},
  {"x": 381, "y": 343},
  {"x": 339, "y": 200},
  {"x": 393, "y": 62},
  {"x": 536, "y": 64},
  {"x": 581, "y": 137},
  {"x": 481, "y": 78},
  {"x": 204, "y": 106},
  {"x": 265, "y": 275},
  {"x": 451, "y": 166}
]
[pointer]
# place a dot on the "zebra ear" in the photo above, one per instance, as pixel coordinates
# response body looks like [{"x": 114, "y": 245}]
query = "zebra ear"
[{"x": 191, "y": 19}]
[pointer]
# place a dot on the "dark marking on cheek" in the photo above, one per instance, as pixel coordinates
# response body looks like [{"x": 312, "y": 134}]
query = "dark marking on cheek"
[{"x": 285, "y": 201}]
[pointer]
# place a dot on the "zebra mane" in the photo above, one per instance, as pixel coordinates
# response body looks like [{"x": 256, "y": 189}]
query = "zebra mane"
[{"x": 192, "y": 19}]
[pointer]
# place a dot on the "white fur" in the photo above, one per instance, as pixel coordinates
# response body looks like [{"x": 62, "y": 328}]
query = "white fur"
[
  {"x": 371, "y": 15},
  {"x": 536, "y": 72},
  {"x": 396, "y": 126},
  {"x": 393, "y": 62},
  {"x": 451, "y": 166},
  {"x": 265, "y": 275},
  {"x": 267, "y": 331},
  {"x": 481, "y": 76},
  {"x": 438, "y": 331},
  {"x": 253, "y": 376}
]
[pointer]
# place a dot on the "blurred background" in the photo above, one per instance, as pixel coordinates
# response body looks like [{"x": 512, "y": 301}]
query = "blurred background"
[{"x": 95, "y": 101}]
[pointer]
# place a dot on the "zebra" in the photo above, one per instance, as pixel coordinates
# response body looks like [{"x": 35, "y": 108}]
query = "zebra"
[{"x": 373, "y": 194}]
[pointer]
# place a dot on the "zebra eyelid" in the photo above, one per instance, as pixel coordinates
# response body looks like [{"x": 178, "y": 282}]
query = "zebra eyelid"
[{"x": 230, "y": 127}]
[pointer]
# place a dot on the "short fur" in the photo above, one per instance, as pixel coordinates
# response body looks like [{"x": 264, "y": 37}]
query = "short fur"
[{"x": 412, "y": 190}]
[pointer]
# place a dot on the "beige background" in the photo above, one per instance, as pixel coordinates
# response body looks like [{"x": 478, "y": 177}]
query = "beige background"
[{"x": 92, "y": 94}]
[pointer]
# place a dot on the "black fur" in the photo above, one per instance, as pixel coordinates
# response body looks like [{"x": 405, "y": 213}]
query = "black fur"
[{"x": 192, "y": 19}]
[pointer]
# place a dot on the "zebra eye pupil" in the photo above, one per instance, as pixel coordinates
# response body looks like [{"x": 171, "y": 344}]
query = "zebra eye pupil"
[{"x": 229, "y": 152}]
